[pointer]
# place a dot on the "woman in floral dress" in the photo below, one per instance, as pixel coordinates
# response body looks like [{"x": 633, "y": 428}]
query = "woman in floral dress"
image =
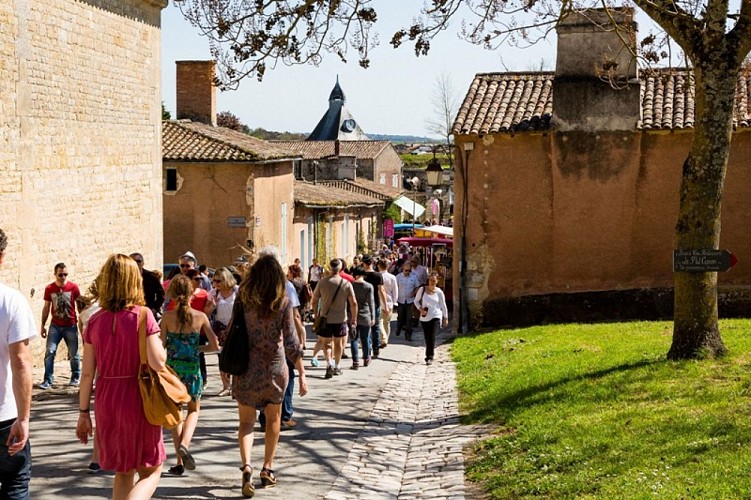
[
  {"x": 181, "y": 332},
  {"x": 271, "y": 331}
]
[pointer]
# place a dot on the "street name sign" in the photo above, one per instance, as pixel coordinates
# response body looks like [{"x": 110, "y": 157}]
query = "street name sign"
[{"x": 702, "y": 260}]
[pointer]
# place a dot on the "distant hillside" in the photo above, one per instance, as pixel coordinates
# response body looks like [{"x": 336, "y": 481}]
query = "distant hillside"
[{"x": 410, "y": 139}]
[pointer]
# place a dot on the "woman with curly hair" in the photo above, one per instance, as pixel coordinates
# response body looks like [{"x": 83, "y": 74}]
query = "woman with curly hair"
[
  {"x": 271, "y": 332},
  {"x": 181, "y": 335},
  {"x": 128, "y": 443}
]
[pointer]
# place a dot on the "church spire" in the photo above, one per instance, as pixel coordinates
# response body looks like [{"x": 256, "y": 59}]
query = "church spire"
[{"x": 337, "y": 94}]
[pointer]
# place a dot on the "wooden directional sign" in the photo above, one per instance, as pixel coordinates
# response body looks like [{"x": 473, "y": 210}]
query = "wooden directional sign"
[{"x": 702, "y": 260}]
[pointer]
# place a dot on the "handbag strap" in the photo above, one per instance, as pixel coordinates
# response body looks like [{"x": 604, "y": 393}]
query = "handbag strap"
[
  {"x": 142, "y": 335},
  {"x": 341, "y": 280}
]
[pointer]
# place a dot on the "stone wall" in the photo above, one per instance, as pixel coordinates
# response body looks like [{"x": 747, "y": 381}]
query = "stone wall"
[
  {"x": 571, "y": 212},
  {"x": 80, "y": 132}
]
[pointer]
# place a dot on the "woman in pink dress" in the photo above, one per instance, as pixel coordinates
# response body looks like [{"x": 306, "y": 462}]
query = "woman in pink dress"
[{"x": 128, "y": 443}]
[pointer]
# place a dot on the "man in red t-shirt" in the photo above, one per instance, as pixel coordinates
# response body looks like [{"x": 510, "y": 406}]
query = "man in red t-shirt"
[{"x": 60, "y": 299}]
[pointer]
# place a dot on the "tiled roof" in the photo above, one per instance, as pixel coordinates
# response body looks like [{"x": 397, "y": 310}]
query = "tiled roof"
[
  {"x": 366, "y": 187},
  {"x": 321, "y": 195},
  {"x": 506, "y": 102},
  {"x": 185, "y": 140},
  {"x": 314, "y": 150},
  {"x": 523, "y": 102},
  {"x": 667, "y": 98}
]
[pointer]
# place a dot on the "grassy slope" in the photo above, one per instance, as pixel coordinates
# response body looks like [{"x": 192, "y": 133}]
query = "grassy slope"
[{"x": 595, "y": 411}]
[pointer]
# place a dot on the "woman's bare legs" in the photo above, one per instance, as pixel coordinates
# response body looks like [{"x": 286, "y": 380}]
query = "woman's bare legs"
[
  {"x": 247, "y": 416},
  {"x": 273, "y": 421},
  {"x": 143, "y": 489}
]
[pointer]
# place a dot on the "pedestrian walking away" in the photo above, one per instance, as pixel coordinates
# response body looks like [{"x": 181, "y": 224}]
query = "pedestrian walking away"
[
  {"x": 128, "y": 443},
  {"x": 181, "y": 331},
  {"x": 334, "y": 292},
  {"x": 431, "y": 302},
  {"x": 291, "y": 292},
  {"x": 364, "y": 320},
  {"x": 60, "y": 300},
  {"x": 153, "y": 292},
  {"x": 16, "y": 329},
  {"x": 379, "y": 297},
  {"x": 269, "y": 323}
]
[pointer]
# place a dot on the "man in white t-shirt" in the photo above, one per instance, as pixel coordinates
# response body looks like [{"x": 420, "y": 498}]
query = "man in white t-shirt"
[{"x": 16, "y": 328}]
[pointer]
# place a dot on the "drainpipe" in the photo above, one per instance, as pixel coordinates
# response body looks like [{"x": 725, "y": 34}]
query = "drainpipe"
[{"x": 467, "y": 147}]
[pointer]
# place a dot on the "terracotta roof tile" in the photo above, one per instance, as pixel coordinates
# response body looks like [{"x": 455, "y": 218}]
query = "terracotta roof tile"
[
  {"x": 506, "y": 102},
  {"x": 314, "y": 150},
  {"x": 366, "y": 187},
  {"x": 322, "y": 195},
  {"x": 185, "y": 140},
  {"x": 519, "y": 102}
]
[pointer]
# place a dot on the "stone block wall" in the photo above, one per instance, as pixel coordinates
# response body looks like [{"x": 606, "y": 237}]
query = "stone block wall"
[{"x": 80, "y": 133}]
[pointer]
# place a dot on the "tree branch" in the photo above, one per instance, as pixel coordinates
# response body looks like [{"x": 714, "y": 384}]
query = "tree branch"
[
  {"x": 679, "y": 24},
  {"x": 740, "y": 36}
]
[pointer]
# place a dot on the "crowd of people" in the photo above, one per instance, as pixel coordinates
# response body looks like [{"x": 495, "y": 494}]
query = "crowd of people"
[{"x": 187, "y": 316}]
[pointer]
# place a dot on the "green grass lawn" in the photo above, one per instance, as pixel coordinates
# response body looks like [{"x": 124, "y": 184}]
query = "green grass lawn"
[{"x": 596, "y": 411}]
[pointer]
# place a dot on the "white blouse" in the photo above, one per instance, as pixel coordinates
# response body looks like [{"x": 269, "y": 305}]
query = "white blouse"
[
  {"x": 224, "y": 305},
  {"x": 435, "y": 302}
]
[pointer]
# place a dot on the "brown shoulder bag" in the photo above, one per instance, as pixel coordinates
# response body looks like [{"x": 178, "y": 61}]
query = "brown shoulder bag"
[{"x": 162, "y": 391}]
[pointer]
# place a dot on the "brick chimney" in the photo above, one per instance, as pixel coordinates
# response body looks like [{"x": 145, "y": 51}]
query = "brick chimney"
[
  {"x": 196, "y": 93},
  {"x": 584, "y": 96}
]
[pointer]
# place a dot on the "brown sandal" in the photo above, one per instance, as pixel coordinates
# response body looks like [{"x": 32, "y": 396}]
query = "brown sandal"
[
  {"x": 267, "y": 478},
  {"x": 248, "y": 489}
]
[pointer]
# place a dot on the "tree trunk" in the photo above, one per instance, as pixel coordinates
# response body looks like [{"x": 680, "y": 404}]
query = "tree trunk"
[{"x": 696, "y": 332}]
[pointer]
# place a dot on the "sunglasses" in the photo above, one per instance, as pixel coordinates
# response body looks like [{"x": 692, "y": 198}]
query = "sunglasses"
[
  {"x": 62, "y": 275},
  {"x": 216, "y": 281},
  {"x": 138, "y": 261},
  {"x": 183, "y": 266}
]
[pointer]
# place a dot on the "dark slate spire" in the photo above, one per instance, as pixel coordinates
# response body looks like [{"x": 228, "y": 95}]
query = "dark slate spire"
[
  {"x": 337, "y": 123},
  {"x": 337, "y": 94}
]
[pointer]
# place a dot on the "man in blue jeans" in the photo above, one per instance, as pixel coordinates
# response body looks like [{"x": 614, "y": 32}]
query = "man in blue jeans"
[
  {"x": 16, "y": 329},
  {"x": 60, "y": 299},
  {"x": 379, "y": 297}
]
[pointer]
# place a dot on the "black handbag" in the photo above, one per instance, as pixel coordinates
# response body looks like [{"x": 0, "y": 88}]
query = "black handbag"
[{"x": 235, "y": 354}]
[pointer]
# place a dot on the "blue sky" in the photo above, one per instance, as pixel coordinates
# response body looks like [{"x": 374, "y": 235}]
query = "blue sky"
[{"x": 390, "y": 97}]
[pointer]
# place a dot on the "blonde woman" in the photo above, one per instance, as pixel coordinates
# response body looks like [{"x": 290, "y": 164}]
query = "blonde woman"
[
  {"x": 181, "y": 335},
  {"x": 221, "y": 301},
  {"x": 272, "y": 337},
  {"x": 128, "y": 443}
]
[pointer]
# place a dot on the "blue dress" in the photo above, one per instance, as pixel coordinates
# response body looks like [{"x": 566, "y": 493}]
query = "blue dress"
[{"x": 182, "y": 356}]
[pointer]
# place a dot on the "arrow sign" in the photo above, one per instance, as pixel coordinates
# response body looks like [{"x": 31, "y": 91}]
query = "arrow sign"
[{"x": 702, "y": 260}]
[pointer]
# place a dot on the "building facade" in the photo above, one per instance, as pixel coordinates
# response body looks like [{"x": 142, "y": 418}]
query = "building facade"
[
  {"x": 567, "y": 185},
  {"x": 225, "y": 193},
  {"x": 334, "y": 222},
  {"x": 79, "y": 118}
]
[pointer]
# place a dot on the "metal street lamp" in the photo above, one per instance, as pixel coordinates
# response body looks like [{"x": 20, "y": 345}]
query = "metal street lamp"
[{"x": 434, "y": 171}]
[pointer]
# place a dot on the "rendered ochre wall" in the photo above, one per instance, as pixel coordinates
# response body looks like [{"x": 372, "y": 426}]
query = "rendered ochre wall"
[{"x": 578, "y": 212}]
